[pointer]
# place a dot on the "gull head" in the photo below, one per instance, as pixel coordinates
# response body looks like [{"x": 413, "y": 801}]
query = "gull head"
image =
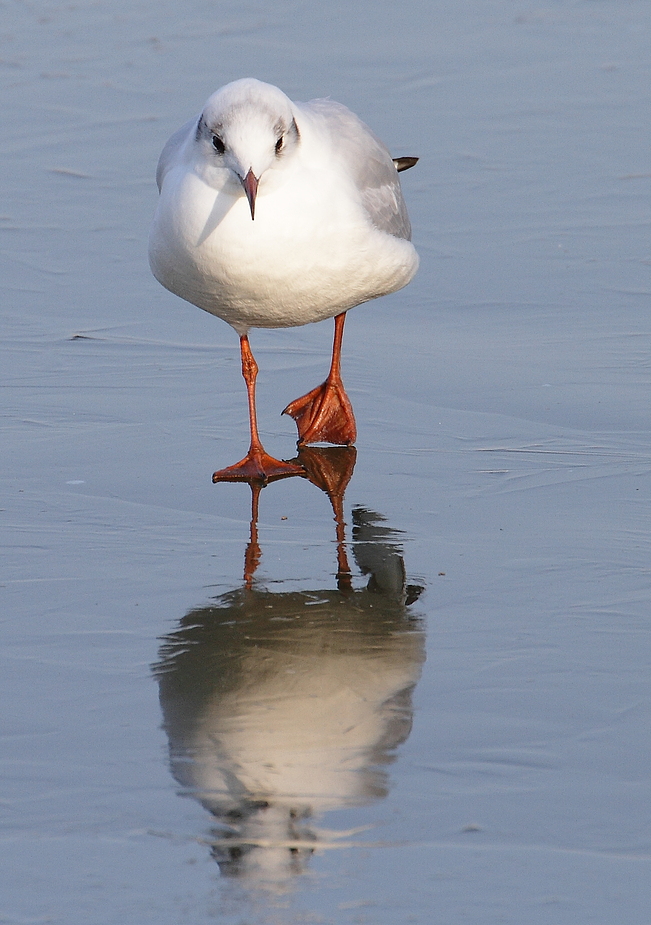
[{"x": 248, "y": 128}]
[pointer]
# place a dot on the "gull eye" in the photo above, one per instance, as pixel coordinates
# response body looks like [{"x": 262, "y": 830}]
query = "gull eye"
[
  {"x": 279, "y": 144},
  {"x": 218, "y": 144}
]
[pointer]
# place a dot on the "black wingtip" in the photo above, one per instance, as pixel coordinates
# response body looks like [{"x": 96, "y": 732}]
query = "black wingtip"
[{"x": 404, "y": 163}]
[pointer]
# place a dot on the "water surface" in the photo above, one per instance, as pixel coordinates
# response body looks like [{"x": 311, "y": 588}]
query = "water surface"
[{"x": 435, "y": 706}]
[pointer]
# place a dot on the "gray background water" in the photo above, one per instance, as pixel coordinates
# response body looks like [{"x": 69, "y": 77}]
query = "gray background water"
[{"x": 503, "y": 411}]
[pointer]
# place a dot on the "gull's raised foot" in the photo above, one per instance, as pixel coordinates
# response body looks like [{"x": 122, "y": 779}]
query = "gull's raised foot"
[
  {"x": 258, "y": 467},
  {"x": 324, "y": 415}
]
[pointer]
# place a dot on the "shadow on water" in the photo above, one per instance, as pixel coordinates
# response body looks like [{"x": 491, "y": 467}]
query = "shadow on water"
[{"x": 280, "y": 706}]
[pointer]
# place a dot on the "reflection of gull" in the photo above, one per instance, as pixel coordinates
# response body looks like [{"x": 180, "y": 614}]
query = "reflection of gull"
[
  {"x": 282, "y": 705},
  {"x": 331, "y": 231}
]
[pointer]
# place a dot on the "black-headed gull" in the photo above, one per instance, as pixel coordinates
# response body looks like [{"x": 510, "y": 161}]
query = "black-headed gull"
[{"x": 274, "y": 214}]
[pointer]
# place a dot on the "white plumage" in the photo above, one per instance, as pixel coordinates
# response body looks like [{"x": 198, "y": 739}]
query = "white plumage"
[{"x": 275, "y": 214}]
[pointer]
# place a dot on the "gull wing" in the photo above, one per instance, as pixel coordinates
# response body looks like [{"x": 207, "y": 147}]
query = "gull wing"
[
  {"x": 170, "y": 151},
  {"x": 373, "y": 170}
]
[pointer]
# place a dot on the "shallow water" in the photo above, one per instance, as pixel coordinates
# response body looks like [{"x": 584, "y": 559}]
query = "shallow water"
[{"x": 464, "y": 740}]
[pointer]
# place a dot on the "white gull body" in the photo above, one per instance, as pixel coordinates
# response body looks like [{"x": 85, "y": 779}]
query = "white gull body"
[{"x": 330, "y": 230}]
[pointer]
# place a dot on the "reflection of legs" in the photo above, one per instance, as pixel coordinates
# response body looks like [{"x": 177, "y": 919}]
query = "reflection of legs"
[
  {"x": 326, "y": 413},
  {"x": 253, "y": 552},
  {"x": 256, "y": 464},
  {"x": 330, "y": 468}
]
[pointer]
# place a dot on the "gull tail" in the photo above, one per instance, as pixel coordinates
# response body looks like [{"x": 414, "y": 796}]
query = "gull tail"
[{"x": 404, "y": 163}]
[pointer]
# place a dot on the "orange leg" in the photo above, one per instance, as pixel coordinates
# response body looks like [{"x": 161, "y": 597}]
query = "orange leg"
[
  {"x": 325, "y": 413},
  {"x": 256, "y": 465}
]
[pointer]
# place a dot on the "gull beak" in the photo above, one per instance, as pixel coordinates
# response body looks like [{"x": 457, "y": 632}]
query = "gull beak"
[{"x": 250, "y": 184}]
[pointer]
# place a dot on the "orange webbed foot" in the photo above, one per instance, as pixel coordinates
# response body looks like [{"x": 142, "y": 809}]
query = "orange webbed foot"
[
  {"x": 324, "y": 414},
  {"x": 258, "y": 466}
]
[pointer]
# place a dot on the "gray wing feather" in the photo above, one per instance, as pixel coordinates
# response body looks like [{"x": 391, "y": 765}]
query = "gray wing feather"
[
  {"x": 373, "y": 169},
  {"x": 167, "y": 155}
]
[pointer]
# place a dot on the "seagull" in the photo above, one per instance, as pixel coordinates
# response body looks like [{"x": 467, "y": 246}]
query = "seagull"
[{"x": 274, "y": 214}]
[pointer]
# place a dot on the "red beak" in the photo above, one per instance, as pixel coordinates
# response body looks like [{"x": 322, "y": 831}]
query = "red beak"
[{"x": 250, "y": 184}]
